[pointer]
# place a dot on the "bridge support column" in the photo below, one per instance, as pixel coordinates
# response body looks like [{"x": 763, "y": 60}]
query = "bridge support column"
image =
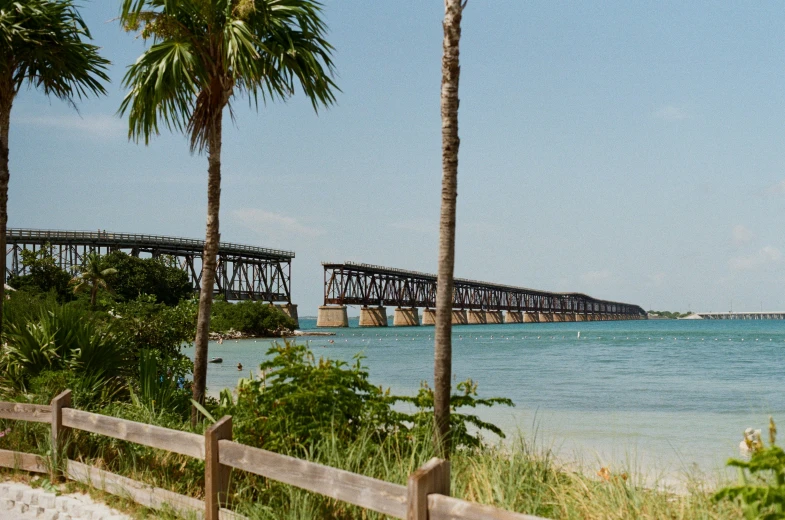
[
  {"x": 494, "y": 317},
  {"x": 531, "y": 317},
  {"x": 429, "y": 317},
  {"x": 406, "y": 317},
  {"x": 545, "y": 317},
  {"x": 475, "y": 317},
  {"x": 332, "y": 316},
  {"x": 290, "y": 309},
  {"x": 580, "y": 317},
  {"x": 373, "y": 317},
  {"x": 459, "y": 317},
  {"x": 568, "y": 316},
  {"x": 557, "y": 317},
  {"x": 513, "y": 317}
]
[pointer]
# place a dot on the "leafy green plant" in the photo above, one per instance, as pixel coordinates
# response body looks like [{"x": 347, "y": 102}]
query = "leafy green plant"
[
  {"x": 93, "y": 274},
  {"x": 460, "y": 423},
  {"x": 250, "y": 317},
  {"x": 761, "y": 488},
  {"x": 157, "y": 390},
  {"x": 159, "y": 276},
  {"x": 43, "y": 275},
  {"x": 62, "y": 339},
  {"x": 146, "y": 324},
  {"x": 299, "y": 400}
]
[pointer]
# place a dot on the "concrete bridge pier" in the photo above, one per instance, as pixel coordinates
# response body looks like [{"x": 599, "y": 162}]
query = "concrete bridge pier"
[
  {"x": 290, "y": 309},
  {"x": 373, "y": 317},
  {"x": 494, "y": 317},
  {"x": 475, "y": 317},
  {"x": 459, "y": 317},
  {"x": 557, "y": 317},
  {"x": 579, "y": 317},
  {"x": 568, "y": 316},
  {"x": 429, "y": 317},
  {"x": 545, "y": 317},
  {"x": 531, "y": 317},
  {"x": 406, "y": 317},
  {"x": 513, "y": 317},
  {"x": 332, "y": 316}
]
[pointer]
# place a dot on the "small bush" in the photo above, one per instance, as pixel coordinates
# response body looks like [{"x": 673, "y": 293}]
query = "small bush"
[
  {"x": 761, "y": 488},
  {"x": 250, "y": 317}
]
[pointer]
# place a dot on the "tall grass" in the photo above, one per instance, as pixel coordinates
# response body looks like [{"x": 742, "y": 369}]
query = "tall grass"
[{"x": 517, "y": 476}]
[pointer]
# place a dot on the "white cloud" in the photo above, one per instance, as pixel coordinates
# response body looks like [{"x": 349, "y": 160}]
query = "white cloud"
[
  {"x": 740, "y": 234},
  {"x": 596, "y": 277},
  {"x": 765, "y": 256},
  {"x": 97, "y": 125},
  {"x": 671, "y": 113},
  {"x": 273, "y": 224},
  {"x": 776, "y": 189}
]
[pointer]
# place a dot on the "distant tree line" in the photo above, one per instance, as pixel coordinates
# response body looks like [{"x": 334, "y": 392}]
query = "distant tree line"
[{"x": 673, "y": 315}]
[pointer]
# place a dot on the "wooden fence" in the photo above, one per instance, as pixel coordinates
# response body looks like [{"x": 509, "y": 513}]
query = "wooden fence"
[{"x": 426, "y": 495}]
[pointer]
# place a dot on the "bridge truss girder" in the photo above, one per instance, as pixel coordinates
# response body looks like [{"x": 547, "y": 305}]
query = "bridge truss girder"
[
  {"x": 239, "y": 275},
  {"x": 367, "y": 285}
]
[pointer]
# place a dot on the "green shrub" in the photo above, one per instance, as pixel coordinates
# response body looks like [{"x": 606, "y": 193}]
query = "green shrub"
[
  {"x": 249, "y": 317},
  {"x": 160, "y": 277},
  {"x": 43, "y": 275},
  {"x": 62, "y": 339},
  {"x": 147, "y": 325},
  {"x": 761, "y": 488},
  {"x": 300, "y": 400}
]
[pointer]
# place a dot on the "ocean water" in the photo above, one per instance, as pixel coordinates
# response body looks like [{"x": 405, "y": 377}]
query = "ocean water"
[{"x": 666, "y": 397}]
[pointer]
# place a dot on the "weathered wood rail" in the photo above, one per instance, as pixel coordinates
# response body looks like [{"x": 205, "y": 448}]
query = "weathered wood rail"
[{"x": 426, "y": 495}]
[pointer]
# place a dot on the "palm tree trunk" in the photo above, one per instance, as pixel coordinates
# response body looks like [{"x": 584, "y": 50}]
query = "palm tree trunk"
[
  {"x": 444, "y": 282},
  {"x": 6, "y": 102},
  {"x": 93, "y": 294},
  {"x": 209, "y": 264}
]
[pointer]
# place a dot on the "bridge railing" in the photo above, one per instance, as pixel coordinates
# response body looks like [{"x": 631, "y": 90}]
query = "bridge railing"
[
  {"x": 426, "y": 495},
  {"x": 18, "y": 234}
]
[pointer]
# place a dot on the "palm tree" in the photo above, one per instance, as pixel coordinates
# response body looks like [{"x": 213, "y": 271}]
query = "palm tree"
[
  {"x": 453, "y": 9},
  {"x": 41, "y": 44},
  {"x": 203, "y": 53},
  {"x": 93, "y": 275}
]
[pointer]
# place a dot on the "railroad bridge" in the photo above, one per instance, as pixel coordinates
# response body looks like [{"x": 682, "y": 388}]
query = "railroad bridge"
[
  {"x": 373, "y": 287},
  {"x": 243, "y": 273}
]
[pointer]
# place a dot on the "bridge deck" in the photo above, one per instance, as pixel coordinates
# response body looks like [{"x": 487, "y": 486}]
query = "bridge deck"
[{"x": 162, "y": 243}]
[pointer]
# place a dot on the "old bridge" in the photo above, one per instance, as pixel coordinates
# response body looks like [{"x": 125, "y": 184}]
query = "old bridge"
[
  {"x": 474, "y": 302},
  {"x": 244, "y": 272}
]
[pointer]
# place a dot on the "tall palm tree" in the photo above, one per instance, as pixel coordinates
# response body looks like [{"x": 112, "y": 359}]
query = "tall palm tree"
[
  {"x": 203, "y": 53},
  {"x": 41, "y": 44},
  {"x": 93, "y": 275},
  {"x": 453, "y": 10}
]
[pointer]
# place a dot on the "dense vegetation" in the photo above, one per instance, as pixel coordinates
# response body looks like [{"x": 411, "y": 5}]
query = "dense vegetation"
[{"x": 671, "y": 315}]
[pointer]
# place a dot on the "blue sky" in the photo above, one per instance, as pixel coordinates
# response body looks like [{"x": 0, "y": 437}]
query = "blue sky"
[{"x": 629, "y": 150}]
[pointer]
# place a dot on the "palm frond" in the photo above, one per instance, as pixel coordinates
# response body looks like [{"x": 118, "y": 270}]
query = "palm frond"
[
  {"x": 204, "y": 52},
  {"x": 44, "y": 44}
]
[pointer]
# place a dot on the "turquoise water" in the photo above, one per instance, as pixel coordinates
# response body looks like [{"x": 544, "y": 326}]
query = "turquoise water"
[{"x": 668, "y": 395}]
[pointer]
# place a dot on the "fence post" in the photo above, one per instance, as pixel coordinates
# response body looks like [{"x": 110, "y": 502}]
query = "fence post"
[
  {"x": 62, "y": 400},
  {"x": 431, "y": 477},
  {"x": 216, "y": 476}
]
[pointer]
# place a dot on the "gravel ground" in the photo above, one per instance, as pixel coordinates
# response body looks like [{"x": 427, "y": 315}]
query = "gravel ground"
[{"x": 21, "y": 502}]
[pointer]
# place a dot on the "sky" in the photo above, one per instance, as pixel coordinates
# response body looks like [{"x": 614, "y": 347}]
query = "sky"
[{"x": 632, "y": 151}]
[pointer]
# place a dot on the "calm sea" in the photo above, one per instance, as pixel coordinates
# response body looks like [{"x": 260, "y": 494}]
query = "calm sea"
[{"x": 671, "y": 396}]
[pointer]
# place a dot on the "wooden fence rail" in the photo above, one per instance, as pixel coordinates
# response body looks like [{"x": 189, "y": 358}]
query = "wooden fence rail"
[{"x": 425, "y": 497}]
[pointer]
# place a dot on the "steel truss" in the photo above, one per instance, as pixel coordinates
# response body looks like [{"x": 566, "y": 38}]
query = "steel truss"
[
  {"x": 243, "y": 273},
  {"x": 371, "y": 285}
]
